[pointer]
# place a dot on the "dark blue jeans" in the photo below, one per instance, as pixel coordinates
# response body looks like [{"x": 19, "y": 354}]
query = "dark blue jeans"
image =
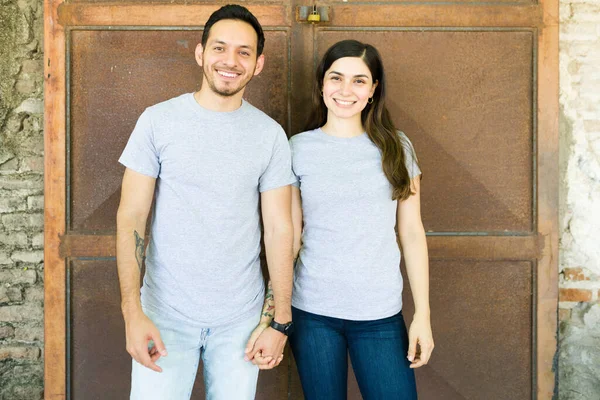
[{"x": 377, "y": 350}]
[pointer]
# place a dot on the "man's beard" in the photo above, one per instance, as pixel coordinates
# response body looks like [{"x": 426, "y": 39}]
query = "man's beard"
[{"x": 227, "y": 91}]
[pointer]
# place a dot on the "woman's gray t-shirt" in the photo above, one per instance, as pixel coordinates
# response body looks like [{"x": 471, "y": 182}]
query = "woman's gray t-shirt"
[{"x": 349, "y": 263}]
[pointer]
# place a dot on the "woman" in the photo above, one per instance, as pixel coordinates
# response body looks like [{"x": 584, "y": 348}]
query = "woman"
[{"x": 358, "y": 179}]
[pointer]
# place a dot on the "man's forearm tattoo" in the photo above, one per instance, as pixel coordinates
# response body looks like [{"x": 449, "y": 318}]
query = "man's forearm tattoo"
[
  {"x": 269, "y": 307},
  {"x": 139, "y": 249}
]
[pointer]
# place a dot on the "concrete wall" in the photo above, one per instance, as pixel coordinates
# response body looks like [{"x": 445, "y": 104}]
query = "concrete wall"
[{"x": 21, "y": 200}]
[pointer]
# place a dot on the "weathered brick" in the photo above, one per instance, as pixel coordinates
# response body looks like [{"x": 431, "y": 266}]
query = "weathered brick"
[
  {"x": 26, "y": 86},
  {"x": 574, "y": 274},
  {"x": 33, "y": 163},
  {"x": 35, "y": 202},
  {"x": 37, "y": 240},
  {"x": 34, "y": 294},
  {"x": 18, "y": 276},
  {"x": 21, "y": 313},
  {"x": 33, "y": 145},
  {"x": 33, "y": 67},
  {"x": 5, "y": 258},
  {"x": 35, "y": 256},
  {"x": 10, "y": 294},
  {"x": 583, "y": 51},
  {"x": 20, "y": 221},
  {"x": 586, "y": 12},
  {"x": 25, "y": 370},
  {"x": 21, "y": 193},
  {"x": 564, "y": 314},
  {"x": 13, "y": 239},
  {"x": 31, "y": 106},
  {"x": 10, "y": 165},
  {"x": 34, "y": 124},
  {"x": 6, "y": 155},
  {"x": 30, "y": 390},
  {"x": 4, "y": 295},
  {"x": 8, "y": 205},
  {"x": 19, "y": 352},
  {"x": 592, "y": 125},
  {"x": 575, "y": 295},
  {"x": 14, "y": 123},
  {"x": 21, "y": 169},
  {"x": 6, "y": 332},
  {"x": 21, "y": 182},
  {"x": 579, "y": 31},
  {"x": 29, "y": 332},
  {"x": 15, "y": 293}
]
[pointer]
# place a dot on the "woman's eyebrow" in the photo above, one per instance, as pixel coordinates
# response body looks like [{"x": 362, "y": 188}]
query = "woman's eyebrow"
[{"x": 355, "y": 76}]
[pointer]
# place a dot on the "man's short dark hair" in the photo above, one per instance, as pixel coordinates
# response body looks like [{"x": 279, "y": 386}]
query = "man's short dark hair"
[{"x": 237, "y": 12}]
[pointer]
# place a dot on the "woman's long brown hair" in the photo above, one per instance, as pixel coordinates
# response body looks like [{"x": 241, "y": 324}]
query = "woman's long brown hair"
[{"x": 375, "y": 117}]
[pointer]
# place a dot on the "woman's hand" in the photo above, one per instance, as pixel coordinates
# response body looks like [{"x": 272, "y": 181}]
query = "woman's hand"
[
  {"x": 255, "y": 334},
  {"x": 420, "y": 335},
  {"x": 256, "y": 357}
]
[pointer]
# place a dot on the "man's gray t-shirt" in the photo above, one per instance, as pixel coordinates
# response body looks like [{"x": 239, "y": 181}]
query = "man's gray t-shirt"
[
  {"x": 349, "y": 263},
  {"x": 202, "y": 262}
]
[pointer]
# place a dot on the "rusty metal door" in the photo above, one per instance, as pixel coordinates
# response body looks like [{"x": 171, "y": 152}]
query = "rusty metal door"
[{"x": 474, "y": 85}]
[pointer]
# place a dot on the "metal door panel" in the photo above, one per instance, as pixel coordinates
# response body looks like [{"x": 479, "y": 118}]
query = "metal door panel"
[
  {"x": 465, "y": 100},
  {"x": 474, "y": 85},
  {"x": 482, "y": 314},
  {"x": 115, "y": 75}
]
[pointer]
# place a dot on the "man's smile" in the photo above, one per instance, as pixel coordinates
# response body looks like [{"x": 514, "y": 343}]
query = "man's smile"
[{"x": 227, "y": 74}]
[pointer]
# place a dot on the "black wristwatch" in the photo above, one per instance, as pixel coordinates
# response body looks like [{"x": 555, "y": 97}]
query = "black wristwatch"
[{"x": 286, "y": 328}]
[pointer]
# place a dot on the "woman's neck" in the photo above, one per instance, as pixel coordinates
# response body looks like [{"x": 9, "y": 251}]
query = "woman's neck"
[{"x": 343, "y": 127}]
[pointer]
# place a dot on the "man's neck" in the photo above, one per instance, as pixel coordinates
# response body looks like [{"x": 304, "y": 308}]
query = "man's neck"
[{"x": 214, "y": 102}]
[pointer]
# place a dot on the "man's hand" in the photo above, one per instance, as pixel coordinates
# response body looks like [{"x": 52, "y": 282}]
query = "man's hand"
[
  {"x": 139, "y": 332},
  {"x": 267, "y": 351}
]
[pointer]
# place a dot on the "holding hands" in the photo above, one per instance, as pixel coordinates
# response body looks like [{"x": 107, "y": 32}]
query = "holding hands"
[{"x": 265, "y": 346}]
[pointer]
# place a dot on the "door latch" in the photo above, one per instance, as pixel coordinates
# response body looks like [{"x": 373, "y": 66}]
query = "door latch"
[{"x": 312, "y": 14}]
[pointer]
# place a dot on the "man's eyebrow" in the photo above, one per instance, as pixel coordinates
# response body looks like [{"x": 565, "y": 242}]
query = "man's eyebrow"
[
  {"x": 355, "y": 76},
  {"x": 244, "y": 46}
]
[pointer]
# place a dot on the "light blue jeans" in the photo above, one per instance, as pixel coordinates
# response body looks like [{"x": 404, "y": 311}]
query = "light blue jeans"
[{"x": 226, "y": 375}]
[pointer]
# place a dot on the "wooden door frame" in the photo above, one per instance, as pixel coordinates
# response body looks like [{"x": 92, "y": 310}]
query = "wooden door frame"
[{"x": 543, "y": 246}]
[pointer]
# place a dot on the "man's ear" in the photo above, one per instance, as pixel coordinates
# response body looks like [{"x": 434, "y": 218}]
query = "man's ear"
[
  {"x": 198, "y": 53},
  {"x": 260, "y": 63}
]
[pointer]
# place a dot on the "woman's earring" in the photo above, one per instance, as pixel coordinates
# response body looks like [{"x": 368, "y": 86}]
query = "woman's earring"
[
  {"x": 370, "y": 101},
  {"x": 321, "y": 92}
]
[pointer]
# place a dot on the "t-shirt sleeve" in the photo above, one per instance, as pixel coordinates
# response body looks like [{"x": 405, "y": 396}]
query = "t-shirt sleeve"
[
  {"x": 410, "y": 157},
  {"x": 296, "y": 176},
  {"x": 279, "y": 170},
  {"x": 140, "y": 152}
]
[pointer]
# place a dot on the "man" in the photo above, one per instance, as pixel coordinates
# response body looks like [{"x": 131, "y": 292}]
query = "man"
[{"x": 207, "y": 158}]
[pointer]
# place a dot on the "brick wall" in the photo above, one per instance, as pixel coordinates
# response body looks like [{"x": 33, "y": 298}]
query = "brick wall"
[
  {"x": 579, "y": 286},
  {"x": 21, "y": 200}
]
